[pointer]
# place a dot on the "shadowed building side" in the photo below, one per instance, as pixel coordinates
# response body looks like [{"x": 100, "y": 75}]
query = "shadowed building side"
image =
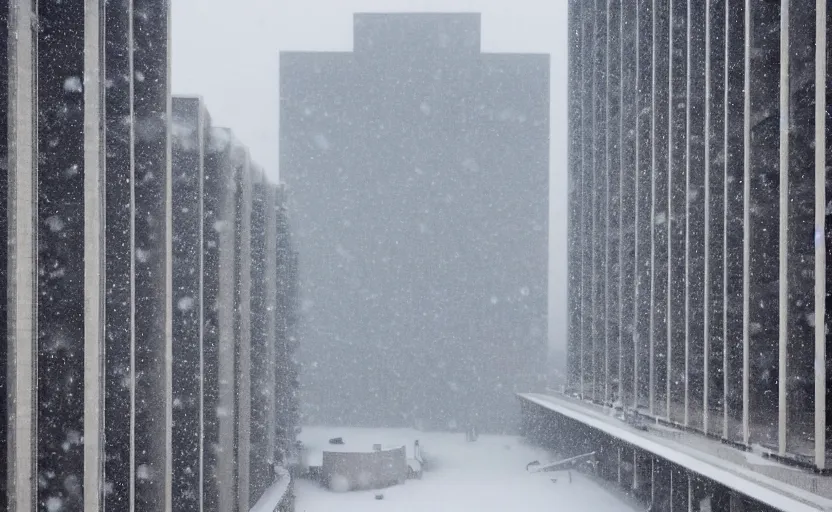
[
  {"x": 112, "y": 362},
  {"x": 4, "y": 233}
]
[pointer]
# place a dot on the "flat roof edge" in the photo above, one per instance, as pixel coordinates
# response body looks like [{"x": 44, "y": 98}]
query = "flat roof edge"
[{"x": 777, "y": 494}]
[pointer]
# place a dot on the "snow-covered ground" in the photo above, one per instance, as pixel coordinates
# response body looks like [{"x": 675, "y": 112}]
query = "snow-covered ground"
[{"x": 484, "y": 476}]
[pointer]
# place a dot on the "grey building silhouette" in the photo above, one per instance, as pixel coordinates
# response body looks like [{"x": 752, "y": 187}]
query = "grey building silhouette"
[{"x": 417, "y": 168}]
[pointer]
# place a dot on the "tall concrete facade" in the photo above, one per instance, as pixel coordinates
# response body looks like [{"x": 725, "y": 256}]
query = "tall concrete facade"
[
  {"x": 417, "y": 172},
  {"x": 111, "y": 245},
  {"x": 698, "y": 238}
]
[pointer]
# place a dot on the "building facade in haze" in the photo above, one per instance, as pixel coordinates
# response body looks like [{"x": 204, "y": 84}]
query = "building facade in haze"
[
  {"x": 417, "y": 167},
  {"x": 698, "y": 252},
  {"x": 140, "y": 369}
]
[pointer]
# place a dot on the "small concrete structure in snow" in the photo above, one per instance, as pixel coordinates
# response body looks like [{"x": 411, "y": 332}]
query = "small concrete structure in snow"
[{"x": 347, "y": 469}]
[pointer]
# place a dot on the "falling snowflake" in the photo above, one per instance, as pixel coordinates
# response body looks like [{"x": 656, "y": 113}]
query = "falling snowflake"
[
  {"x": 321, "y": 142},
  {"x": 142, "y": 256},
  {"x": 185, "y": 303},
  {"x": 73, "y": 84},
  {"x": 54, "y": 504},
  {"x": 143, "y": 472},
  {"x": 55, "y": 223}
]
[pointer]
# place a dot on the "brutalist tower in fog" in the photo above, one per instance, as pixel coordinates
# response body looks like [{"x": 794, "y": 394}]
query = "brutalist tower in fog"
[{"x": 418, "y": 170}]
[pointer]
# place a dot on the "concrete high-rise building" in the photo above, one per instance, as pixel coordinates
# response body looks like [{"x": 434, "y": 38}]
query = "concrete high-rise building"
[
  {"x": 698, "y": 252},
  {"x": 417, "y": 170},
  {"x": 138, "y": 369}
]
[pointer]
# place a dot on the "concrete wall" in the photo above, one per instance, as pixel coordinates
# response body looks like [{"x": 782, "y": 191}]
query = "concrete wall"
[
  {"x": 698, "y": 231},
  {"x": 645, "y": 477},
  {"x": 348, "y": 471},
  {"x": 418, "y": 165},
  {"x": 126, "y": 275}
]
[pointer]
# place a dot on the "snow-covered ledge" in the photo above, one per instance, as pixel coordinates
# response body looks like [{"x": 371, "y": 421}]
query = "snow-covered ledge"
[
  {"x": 273, "y": 496},
  {"x": 775, "y": 493}
]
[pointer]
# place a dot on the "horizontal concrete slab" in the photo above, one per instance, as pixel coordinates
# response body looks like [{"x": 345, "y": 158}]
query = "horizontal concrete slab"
[{"x": 699, "y": 456}]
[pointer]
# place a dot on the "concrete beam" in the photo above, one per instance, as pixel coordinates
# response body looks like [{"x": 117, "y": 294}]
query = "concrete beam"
[
  {"x": 22, "y": 260},
  {"x": 94, "y": 237},
  {"x": 4, "y": 247},
  {"x": 821, "y": 234}
]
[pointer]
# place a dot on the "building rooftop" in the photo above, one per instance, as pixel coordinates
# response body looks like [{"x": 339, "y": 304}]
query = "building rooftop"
[{"x": 417, "y": 32}]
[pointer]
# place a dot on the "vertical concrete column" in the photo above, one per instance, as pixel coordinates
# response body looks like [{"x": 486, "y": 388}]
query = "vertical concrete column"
[
  {"x": 642, "y": 475},
  {"x": 152, "y": 217},
  {"x": 695, "y": 217},
  {"x": 242, "y": 233},
  {"x": 783, "y": 232},
  {"x": 628, "y": 202},
  {"x": 587, "y": 183},
  {"x": 225, "y": 224},
  {"x": 728, "y": 93},
  {"x": 733, "y": 194},
  {"x": 218, "y": 306},
  {"x": 258, "y": 466},
  {"x": 94, "y": 164},
  {"x": 5, "y": 116},
  {"x": 822, "y": 141},
  {"x": 653, "y": 483},
  {"x": 659, "y": 215},
  {"x": 746, "y": 226},
  {"x": 189, "y": 129},
  {"x": 263, "y": 298},
  {"x": 679, "y": 489},
  {"x": 677, "y": 214},
  {"x": 714, "y": 215},
  {"x": 662, "y": 489},
  {"x": 60, "y": 246},
  {"x": 764, "y": 214},
  {"x": 270, "y": 377},
  {"x": 119, "y": 401},
  {"x": 573, "y": 349},
  {"x": 21, "y": 384},
  {"x": 643, "y": 191},
  {"x": 286, "y": 319},
  {"x": 599, "y": 201},
  {"x": 800, "y": 258},
  {"x": 612, "y": 272}
]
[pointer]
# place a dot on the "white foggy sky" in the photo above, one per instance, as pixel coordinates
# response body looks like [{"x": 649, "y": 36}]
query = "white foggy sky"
[{"x": 227, "y": 52}]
